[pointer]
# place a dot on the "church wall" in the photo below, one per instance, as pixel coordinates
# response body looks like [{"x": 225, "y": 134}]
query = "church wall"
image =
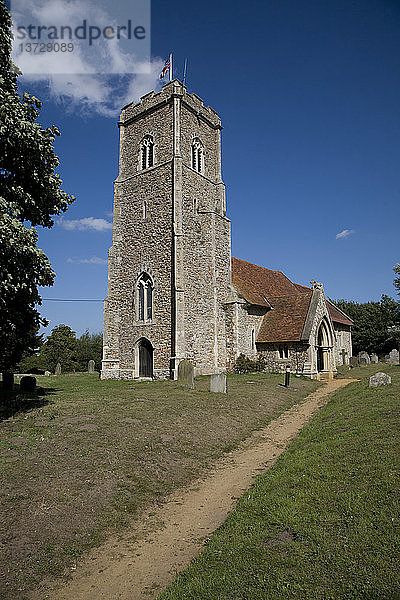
[
  {"x": 206, "y": 249},
  {"x": 343, "y": 342},
  {"x": 297, "y": 356},
  {"x": 245, "y": 320}
]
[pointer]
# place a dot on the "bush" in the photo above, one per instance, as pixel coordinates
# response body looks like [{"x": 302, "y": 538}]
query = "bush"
[{"x": 246, "y": 365}]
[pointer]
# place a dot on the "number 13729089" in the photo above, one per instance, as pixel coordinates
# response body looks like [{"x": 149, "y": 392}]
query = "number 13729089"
[{"x": 38, "y": 47}]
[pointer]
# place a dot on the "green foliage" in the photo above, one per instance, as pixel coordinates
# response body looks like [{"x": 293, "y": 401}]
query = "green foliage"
[
  {"x": 246, "y": 365},
  {"x": 89, "y": 347},
  {"x": 396, "y": 281},
  {"x": 375, "y": 324},
  {"x": 60, "y": 347},
  {"x": 29, "y": 193}
]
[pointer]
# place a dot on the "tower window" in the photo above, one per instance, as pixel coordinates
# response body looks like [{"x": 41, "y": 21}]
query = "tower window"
[
  {"x": 197, "y": 156},
  {"x": 145, "y": 298},
  {"x": 253, "y": 340},
  {"x": 147, "y": 152}
]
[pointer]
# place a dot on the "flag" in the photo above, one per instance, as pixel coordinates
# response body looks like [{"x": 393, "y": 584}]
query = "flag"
[{"x": 166, "y": 68}]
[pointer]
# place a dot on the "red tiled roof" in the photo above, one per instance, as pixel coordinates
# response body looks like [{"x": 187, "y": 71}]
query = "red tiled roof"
[
  {"x": 337, "y": 315},
  {"x": 289, "y": 301},
  {"x": 256, "y": 284}
]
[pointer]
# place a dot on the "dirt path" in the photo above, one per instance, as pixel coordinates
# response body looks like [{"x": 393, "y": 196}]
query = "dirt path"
[{"x": 140, "y": 564}]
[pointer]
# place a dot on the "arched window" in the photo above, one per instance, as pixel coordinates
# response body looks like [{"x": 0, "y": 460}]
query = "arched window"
[
  {"x": 145, "y": 298},
  {"x": 147, "y": 152},
  {"x": 197, "y": 155}
]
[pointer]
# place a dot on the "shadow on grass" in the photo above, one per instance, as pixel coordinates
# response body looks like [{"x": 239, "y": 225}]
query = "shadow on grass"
[{"x": 12, "y": 402}]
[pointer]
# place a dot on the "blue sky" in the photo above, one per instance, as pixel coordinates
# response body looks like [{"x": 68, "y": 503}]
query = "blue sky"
[{"x": 309, "y": 96}]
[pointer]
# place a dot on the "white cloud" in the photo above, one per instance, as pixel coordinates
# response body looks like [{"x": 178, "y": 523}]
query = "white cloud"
[
  {"x": 85, "y": 224},
  {"x": 99, "y": 78},
  {"x": 344, "y": 234},
  {"x": 95, "y": 260}
]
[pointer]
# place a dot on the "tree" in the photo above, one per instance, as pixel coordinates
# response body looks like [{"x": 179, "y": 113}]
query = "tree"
[
  {"x": 396, "y": 281},
  {"x": 375, "y": 324},
  {"x": 61, "y": 346},
  {"x": 30, "y": 195},
  {"x": 89, "y": 347}
]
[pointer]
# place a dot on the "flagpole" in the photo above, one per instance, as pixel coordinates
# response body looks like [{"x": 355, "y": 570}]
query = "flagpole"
[
  {"x": 184, "y": 72},
  {"x": 171, "y": 68}
]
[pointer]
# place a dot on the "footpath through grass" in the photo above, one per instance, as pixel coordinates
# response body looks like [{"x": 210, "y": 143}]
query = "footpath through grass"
[
  {"x": 323, "y": 523},
  {"x": 84, "y": 464}
]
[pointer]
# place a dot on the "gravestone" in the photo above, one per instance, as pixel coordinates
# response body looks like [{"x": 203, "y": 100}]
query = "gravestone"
[
  {"x": 353, "y": 361},
  {"x": 186, "y": 373},
  {"x": 374, "y": 358},
  {"x": 365, "y": 355},
  {"x": 363, "y": 361},
  {"x": 91, "y": 366},
  {"x": 58, "y": 369},
  {"x": 47, "y": 373},
  {"x": 379, "y": 379},
  {"x": 394, "y": 357},
  {"x": 8, "y": 381},
  {"x": 218, "y": 383},
  {"x": 27, "y": 384}
]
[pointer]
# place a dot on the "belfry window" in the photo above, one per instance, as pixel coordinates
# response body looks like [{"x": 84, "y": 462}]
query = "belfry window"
[
  {"x": 145, "y": 298},
  {"x": 197, "y": 156},
  {"x": 147, "y": 152}
]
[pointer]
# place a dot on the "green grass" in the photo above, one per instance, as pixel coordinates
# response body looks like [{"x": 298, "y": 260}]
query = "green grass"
[
  {"x": 84, "y": 464},
  {"x": 323, "y": 523}
]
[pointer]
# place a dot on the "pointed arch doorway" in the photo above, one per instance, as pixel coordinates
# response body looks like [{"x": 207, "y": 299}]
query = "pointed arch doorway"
[
  {"x": 145, "y": 358},
  {"x": 323, "y": 347}
]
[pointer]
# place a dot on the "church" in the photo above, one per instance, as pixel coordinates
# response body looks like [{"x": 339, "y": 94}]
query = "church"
[{"x": 174, "y": 290}]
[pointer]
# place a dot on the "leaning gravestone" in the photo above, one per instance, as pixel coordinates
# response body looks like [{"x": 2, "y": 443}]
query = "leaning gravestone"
[
  {"x": 218, "y": 383},
  {"x": 394, "y": 357},
  {"x": 27, "y": 384},
  {"x": 379, "y": 379},
  {"x": 58, "y": 369},
  {"x": 374, "y": 358},
  {"x": 186, "y": 373},
  {"x": 91, "y": 366},
  {"x": 365, "y": 355},
  {"x": 354, "y": 361}
]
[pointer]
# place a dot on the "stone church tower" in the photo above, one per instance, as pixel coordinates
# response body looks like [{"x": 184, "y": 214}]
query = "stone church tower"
[{"x": 169, "y": 272}]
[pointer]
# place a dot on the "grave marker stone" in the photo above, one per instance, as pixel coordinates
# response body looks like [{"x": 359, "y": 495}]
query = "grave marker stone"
[
  {"x": 58, "y": 369},
  {"x": 186, "y": 373},
  {"x": 374, "y": 358},
  {"x": 91, "y": 366},
  {"x": 364, "y": 355},
  {"x": 218, "y": 383},
  {"x": 379, "y": 379},
  {"x": 394, "y": 357},
  {"x": 353, "y": 361},
  {"x": 27, "y": 384}
]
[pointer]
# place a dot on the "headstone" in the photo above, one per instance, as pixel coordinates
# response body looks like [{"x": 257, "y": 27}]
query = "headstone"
[
  {"x": 353, "y": 361},
  {"x": 58, "y": 369},
  {"x": 374, "y": 358},
  {"x": 218, "y": 383},
  {"x": 27, "y": 384},
  {"x": 8, "y": 381},
  {"x": 362, "y": 361},
  {"x": 186, "y": 373},
  {"x": 394, "y": 357},
  {"x": 47, "y": 373},
  {"x": 379, "y": 379},
  {"x": 365, "y": 355},
  {"x": 91, "y": 366}
]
